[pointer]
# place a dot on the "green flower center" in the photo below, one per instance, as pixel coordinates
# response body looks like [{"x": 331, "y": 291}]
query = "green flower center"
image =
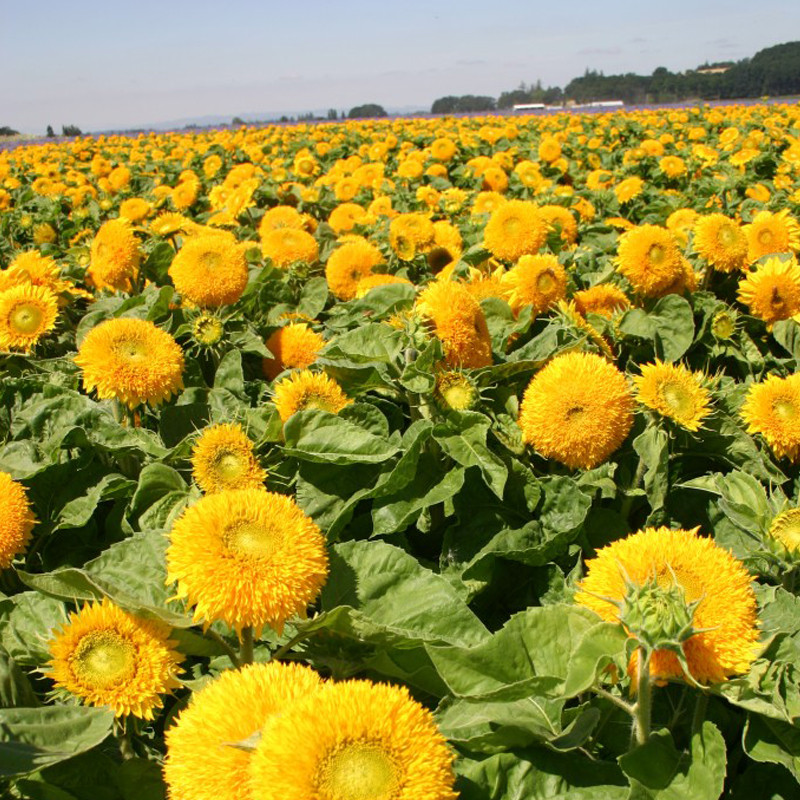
[
  {"x": 546, "y": 282},
  {"x": 26, "y": 318},
  {"x": 229, "y": 466},
  {"x": 677, "y": 399},
  {"x": 103, "y": 658},
  {"x": 359, "y": 771},
  {"x": 251, "y": 540},
  {"x": 784, "y": 410}
]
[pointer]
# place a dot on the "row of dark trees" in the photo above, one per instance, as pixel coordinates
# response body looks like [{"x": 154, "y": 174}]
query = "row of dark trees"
[{"x": 774, "y": 71}]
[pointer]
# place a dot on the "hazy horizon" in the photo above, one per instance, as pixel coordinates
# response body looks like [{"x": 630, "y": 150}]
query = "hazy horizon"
[{"x": 104, "y": 66}]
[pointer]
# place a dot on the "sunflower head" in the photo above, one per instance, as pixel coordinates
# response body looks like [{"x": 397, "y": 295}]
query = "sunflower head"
[
  {"x": 772, "y": 408},
  {"x": 683, "y": 589},
  {"x": 27, "y": 313},
  {"x": 131, "y": 360},
  {"x": 772, "y": 233},
  {"x": 539, "y": 281},
  {"x": 577, "y": 410},
  {"x": 287, "y": 246},
  {"x": 784, "y": 530},
  {"x": 207, "y": 330},
  {"x": 459, "y": 323},
  {"x": 16, "y": 520},
  {"x": 247, "y": 557},
  {"x": 772, "y": 290},
  {"x": 721, "y": 242},
  {"x": 648, "y": 256},
  {"x": 605, "y": 299},
  {"x": 294, "y": 346},
  {"x": 210, "y": 270},
  {"x": 454, "y": 391},
  {"x": 223, "y": 458},
  {"x": 515, "y": 228},
  {"x": 107, "y": 657},
  {"x": 353, "y": 740},
  {"x": 674, "y": 392},
  {"x": 349, "y": 264},
  {"x": 723, "y": 324},
  {"x": 114, "y": 256},
  {"x": 308, "y": 390}
]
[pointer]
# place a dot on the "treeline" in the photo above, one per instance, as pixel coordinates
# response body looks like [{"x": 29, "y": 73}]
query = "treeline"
[{"x": 773, "y": 71}]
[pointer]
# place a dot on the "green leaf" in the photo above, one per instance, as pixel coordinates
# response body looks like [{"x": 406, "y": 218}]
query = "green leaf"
[
  {"x": 160, "y": 496},
  {"x": 229, "y": 374},
  {"x": 313, "y": 297},
  {"x": 324, "y": 437},
  {"x": 669, "y": 325},
  {"x": 15, "y": 688},
  {"x": 76, "y": 513},
  {"x": 652, "y": 446},
  {"x": 658, "y": 771},
  {"x": 26, "y": 622},
  {"x": 32, "y": 738},
  {"x": 539, "y": 775},
  {"x": 531, "y": 654},
  {"x": 463, "y": 438},
  {"x": 769, "y": 740}
]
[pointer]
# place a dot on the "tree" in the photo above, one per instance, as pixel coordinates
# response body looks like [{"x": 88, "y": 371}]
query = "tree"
[
  {"x": 50, "y": 132},
  {"x": 71, "y": 130},
  {"x": 332, "y": 114},
  {"x": 237, "y": 122},
  {"x": 367, "y": 110},
  {"x": 6, "y": 131}
]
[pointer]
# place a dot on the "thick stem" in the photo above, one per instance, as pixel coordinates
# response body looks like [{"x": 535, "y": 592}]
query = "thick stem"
[
  {"x": 699, "y": 716},
  {"x": 246, "y": 646},
  {"x": 641, "y": 725}
]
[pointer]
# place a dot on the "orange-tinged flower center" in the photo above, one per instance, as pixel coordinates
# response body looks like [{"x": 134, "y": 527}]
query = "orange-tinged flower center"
[
  {"x": 359, "y": 771},
  {"x": 765, "y": 237}
]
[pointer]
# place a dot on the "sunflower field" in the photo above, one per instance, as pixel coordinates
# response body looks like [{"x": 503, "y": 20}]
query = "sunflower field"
[{"x": 403, "y": 460}]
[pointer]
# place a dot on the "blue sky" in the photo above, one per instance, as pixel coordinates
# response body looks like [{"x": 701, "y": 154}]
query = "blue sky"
[{"x": 109, "y": 64}]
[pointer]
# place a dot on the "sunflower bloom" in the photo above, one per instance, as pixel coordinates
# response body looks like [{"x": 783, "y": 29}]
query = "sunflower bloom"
[
  {"x": 721, "y": 242},
  {"x": 605, "y": 299},
  {"x": 294, "y": 346},
  {"x": 772, "y": 408},
  {"x": 772, "y": 290},
  {"x": 410, "y": 234},
  {"x": 366, "y": 285},
  {"x": 16, "y": 520},
  {"x": 287, "y": 246},
  {"x": 353, "y": 740},
  {"x": 675, "y": 392},
  {"x": 107, "y": 657},
  {"x": 131, "y": 360},
  {"x": 210, "y": 271},
  {"x": 785, "y": 530},
  {"x": 577, "y": 410},
  {"x": 771, "y": 233},
  {"x": 200, "y": 762},
  {"x": 349, "y": 264},
  {"x": 248, "y": 557},
  {"x": 459, "y": 323},
  {"x": 707, "y": 575},
  {"x": 223, "y": 458},
  {"x": 308, "y": 390},
  {"x": 539, "y": 281},
  {"x": 516, "y": 228},
  {"x": 649, "y": 258},
  {"x": 27, "y": 313},
  {"x": 115, "y": 256}
]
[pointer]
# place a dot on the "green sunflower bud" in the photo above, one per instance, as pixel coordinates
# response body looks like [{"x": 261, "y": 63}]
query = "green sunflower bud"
[
  {"x": 207, "y": 330},
  {"x": 454, "y": 391}
]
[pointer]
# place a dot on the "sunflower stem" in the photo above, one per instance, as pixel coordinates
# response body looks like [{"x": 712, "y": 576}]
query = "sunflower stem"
[
  {"x": 229, "y": 651},
  {"x": 627, "y": 501},
  {"x": 617, "y": 701},
  {"x": 246, "y": 646},
  {"x": 699, "y": 716},
  {"x": 644, "y": 700},
  {"x": 284, "y": 649}
]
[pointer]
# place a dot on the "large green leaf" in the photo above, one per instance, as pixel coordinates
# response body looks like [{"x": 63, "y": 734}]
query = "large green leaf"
[
  {"x": 772, "y": 741},
  {"x": 32, "y": 738},
  {"x": 658, "y": 771}
]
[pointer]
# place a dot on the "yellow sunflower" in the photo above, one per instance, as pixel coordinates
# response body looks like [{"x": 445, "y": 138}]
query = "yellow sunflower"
[
  {"x": 675, "y": 392},
  {"x": 785, "y": 530},
  {"x": 107, "y": 657},
  {"x": 32, "y": 267},
  {"x": 131, "y": 360},
  {"x": 27, "y": 313},
  {"x": 350, "y": 263},
  {"x": 680, "y": 224},
  {"x": 168, "y": 223},
  {"x": 720, "y": 241},
  {"x": 294, "y": 346},
  {"x": 577, "y": 410},
  {"x": 459, "y": 323},
  {"x": 772, "y": 408},
  {"x": 629, "y": 188},
  {"x": 287, "y": 246},
  {"x": 280, "y": 217},
  {"x": 210, "y": 271},
  {"x": 447, "y": 246},
  {"x": 772, "y": 290},
  {"x": 562, "y": 221},
  {"x": 247, "y": 557},
  {"x": 223, "y": 458},
  {"x": 706, "y": 574},
  {"x": 135, "y": 209},
  {"x": 649, "y": 258},
  {"x": 605, "y": 299},
  {"x": 16, "y": 520},
  {"x": 410, "y": 234},
  {"x": 539, "y": 281},
  {"x": 353, "y": 740},
  {"x": 201, "y": 762},
  {"x": 772, "y": 233},
  {"x": 516, "y": 228},
  {"x": 114, "y": 256},
  {"x": 308, "y": 390}
]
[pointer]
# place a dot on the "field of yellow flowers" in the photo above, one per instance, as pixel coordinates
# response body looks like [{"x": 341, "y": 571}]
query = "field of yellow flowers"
[{"x": 403, "y": 460}]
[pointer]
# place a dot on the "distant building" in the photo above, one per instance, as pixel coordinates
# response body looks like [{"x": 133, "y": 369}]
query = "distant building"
[
  {"x": 527, "y": 106},
  {"x": 716, "y": 70}
]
